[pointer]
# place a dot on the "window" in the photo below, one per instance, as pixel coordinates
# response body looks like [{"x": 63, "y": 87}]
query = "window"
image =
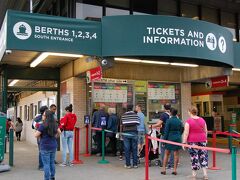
[
  {"x": 228, "y": 20},
  {"x": 31, "y": 112},
  {"x": 210, "y": 15},
  {"x": 86, "y": 10},
  {"x": 35, "y": 110},
  {"x": 25, "y": 112},
  {"x": 190, "y": 11},
  {"x": 148, "y": 7},
  {"x": 20, "y": 112},
  {"x": 113, "y": 12},
  {"x": 167, "y": 7},
  {"x": 118, "y": 3},
  {"x": 39, "y": 105}
]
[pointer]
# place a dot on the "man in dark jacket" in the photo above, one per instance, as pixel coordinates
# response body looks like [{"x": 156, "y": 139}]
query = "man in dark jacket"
[{"x": 99, "y": 121}]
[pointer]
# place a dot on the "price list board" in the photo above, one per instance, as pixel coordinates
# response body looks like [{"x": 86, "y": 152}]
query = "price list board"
[
  {"x": 115, "y": 93},
  {"x": 161, "y": 91}
]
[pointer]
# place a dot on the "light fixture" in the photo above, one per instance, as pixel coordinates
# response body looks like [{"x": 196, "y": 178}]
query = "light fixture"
[
  {"x": 154, "y": 62},
  {"x": 236, "y": 69},
  {"x": 13, "y": 82},
  {"x": 183, "y": 64},
  {"x": 127, "y": 60},
  {"x": 44, "y": 55}
]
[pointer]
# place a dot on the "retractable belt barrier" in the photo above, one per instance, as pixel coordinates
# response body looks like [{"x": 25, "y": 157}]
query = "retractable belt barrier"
[
  {"x": 77, "y": 146},
  {"x": 213, "y": 149}
]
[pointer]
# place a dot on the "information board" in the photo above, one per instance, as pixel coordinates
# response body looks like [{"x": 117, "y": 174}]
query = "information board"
[
  {"x": 110, "y": 93},
  {"x": 161, "y": 92}
]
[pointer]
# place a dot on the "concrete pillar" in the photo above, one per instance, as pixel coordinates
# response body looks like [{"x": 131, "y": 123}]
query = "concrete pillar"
[{"x": 185, "y": 100}]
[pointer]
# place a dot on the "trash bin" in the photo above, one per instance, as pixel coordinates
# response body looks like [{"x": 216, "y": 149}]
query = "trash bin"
[{"x": 3, "y": 119}]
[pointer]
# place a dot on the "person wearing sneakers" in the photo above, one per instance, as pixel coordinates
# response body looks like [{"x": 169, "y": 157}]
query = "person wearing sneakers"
[
  {"x": 130, "y": 122},
  {"x": 67, "y": 124},
  {"x": 47, "y": 133},
  {"x": 195, "y": 133}
]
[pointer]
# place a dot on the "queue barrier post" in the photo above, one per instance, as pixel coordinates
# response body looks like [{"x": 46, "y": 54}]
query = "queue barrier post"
[
  {"x": 214, "y": 144},
  {"x": 11, "y": 144},
  {"x": 103, "y": 160},
  {"x": 234, "y": 163},
  {"x": 87, "y": 142},
  {"x": 77, "y": 146},
  {"x": 146, "y": 157}
]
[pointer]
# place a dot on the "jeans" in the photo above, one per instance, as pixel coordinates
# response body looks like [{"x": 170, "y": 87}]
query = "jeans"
[
  {"x": 67, "y": 141},
  {"x": 99, "y": 141},
  {"x": 40, "y": 162},
  {"x": 171, "y": 160},
  {"x": 113, "y": 144},
  {"x": 48, "y": 158},
  {"x": 131, "y": 147}
]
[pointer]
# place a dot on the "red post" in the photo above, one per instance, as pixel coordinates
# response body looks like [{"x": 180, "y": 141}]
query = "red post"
[
  {"x": 214, "y": 143},
  {"x": 87, "y": 152},
  {"x": 146, "y": 157},
  {"x": 77, "y": 146}
]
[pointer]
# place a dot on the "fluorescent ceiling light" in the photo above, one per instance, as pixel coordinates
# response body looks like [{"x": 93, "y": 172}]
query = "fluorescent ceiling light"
[
  {"x": 13, "y": 82},
  {"x": 154, "y": 62},
  {"x": 44, "y": 55},
  {"x": 236, "y": 69},
  {"x": 183, "y": 64},
  {"x": 127, "y": 60}
]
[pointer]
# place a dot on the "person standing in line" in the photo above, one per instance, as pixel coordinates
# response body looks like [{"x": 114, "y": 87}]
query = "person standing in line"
[
  {"x": 161, "y": 124},
  {"x": 67, "y": 124},
  {"x": 195, "y": 133},
  {"x": 120, "y": 137},
  {"x": 130, "y": 122},
  {"x": 173, "y": 132},
  {"x": 18, "y": 128},
  {"x": 112, "y": 126},
  {"x": 9, "y": 125},
  {"x": 47, "y": 132},
  {"x": 99, "y": 121},
  {"x": 37, "y": 121},
  {"x": 141, "y": 127},
  {"x": 53, "y": 109}
]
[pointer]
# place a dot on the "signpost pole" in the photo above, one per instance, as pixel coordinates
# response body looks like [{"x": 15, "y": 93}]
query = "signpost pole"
[
  {"x": 11, "y": 154},
  {"x": 103, "y": 161},
  {"x": 234, "y": 163}
]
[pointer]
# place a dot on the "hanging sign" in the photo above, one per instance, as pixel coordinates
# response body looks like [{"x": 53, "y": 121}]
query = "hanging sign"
[
  {"x": 94, "y": 74},
  {"x": 219, "y": 82}
]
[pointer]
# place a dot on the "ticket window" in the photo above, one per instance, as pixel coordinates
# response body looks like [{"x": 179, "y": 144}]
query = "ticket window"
[
  {"x": 112, "y": 95},
  {"x": 160, "y": 94}
]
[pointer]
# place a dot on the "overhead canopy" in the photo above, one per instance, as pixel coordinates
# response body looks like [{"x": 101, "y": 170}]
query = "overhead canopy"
[{"x": 181, "y": 39}]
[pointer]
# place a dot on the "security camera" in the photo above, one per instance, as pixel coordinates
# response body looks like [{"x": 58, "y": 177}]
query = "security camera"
[
  {"x": 104, "y": 62},
  {"x": 8, "y": 51}
]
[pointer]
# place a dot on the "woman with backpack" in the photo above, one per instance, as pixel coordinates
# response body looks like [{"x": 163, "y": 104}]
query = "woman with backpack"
[
  {"x": 67, "y": 124},
  {"x": 48, "y": 132}
]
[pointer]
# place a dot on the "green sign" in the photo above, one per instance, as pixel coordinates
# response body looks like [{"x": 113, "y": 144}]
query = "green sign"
[
  {"x": 166, "y": 36},
  {"x": 2, "y": 135},
  {"x": 38, "y": 32},
  {"x": 236, "y": 55}
]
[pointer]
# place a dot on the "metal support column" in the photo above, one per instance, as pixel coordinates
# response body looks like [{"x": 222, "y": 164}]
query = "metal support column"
[
  {"x": 4, "y": 90},
  {"x": 58, "y": 108}
]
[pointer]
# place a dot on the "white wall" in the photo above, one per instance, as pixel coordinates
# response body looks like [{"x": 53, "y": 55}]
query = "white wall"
[{"x": 47, "y": 98}]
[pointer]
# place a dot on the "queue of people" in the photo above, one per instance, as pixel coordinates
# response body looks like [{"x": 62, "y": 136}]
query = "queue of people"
[{"x": 131, "y": 126}]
